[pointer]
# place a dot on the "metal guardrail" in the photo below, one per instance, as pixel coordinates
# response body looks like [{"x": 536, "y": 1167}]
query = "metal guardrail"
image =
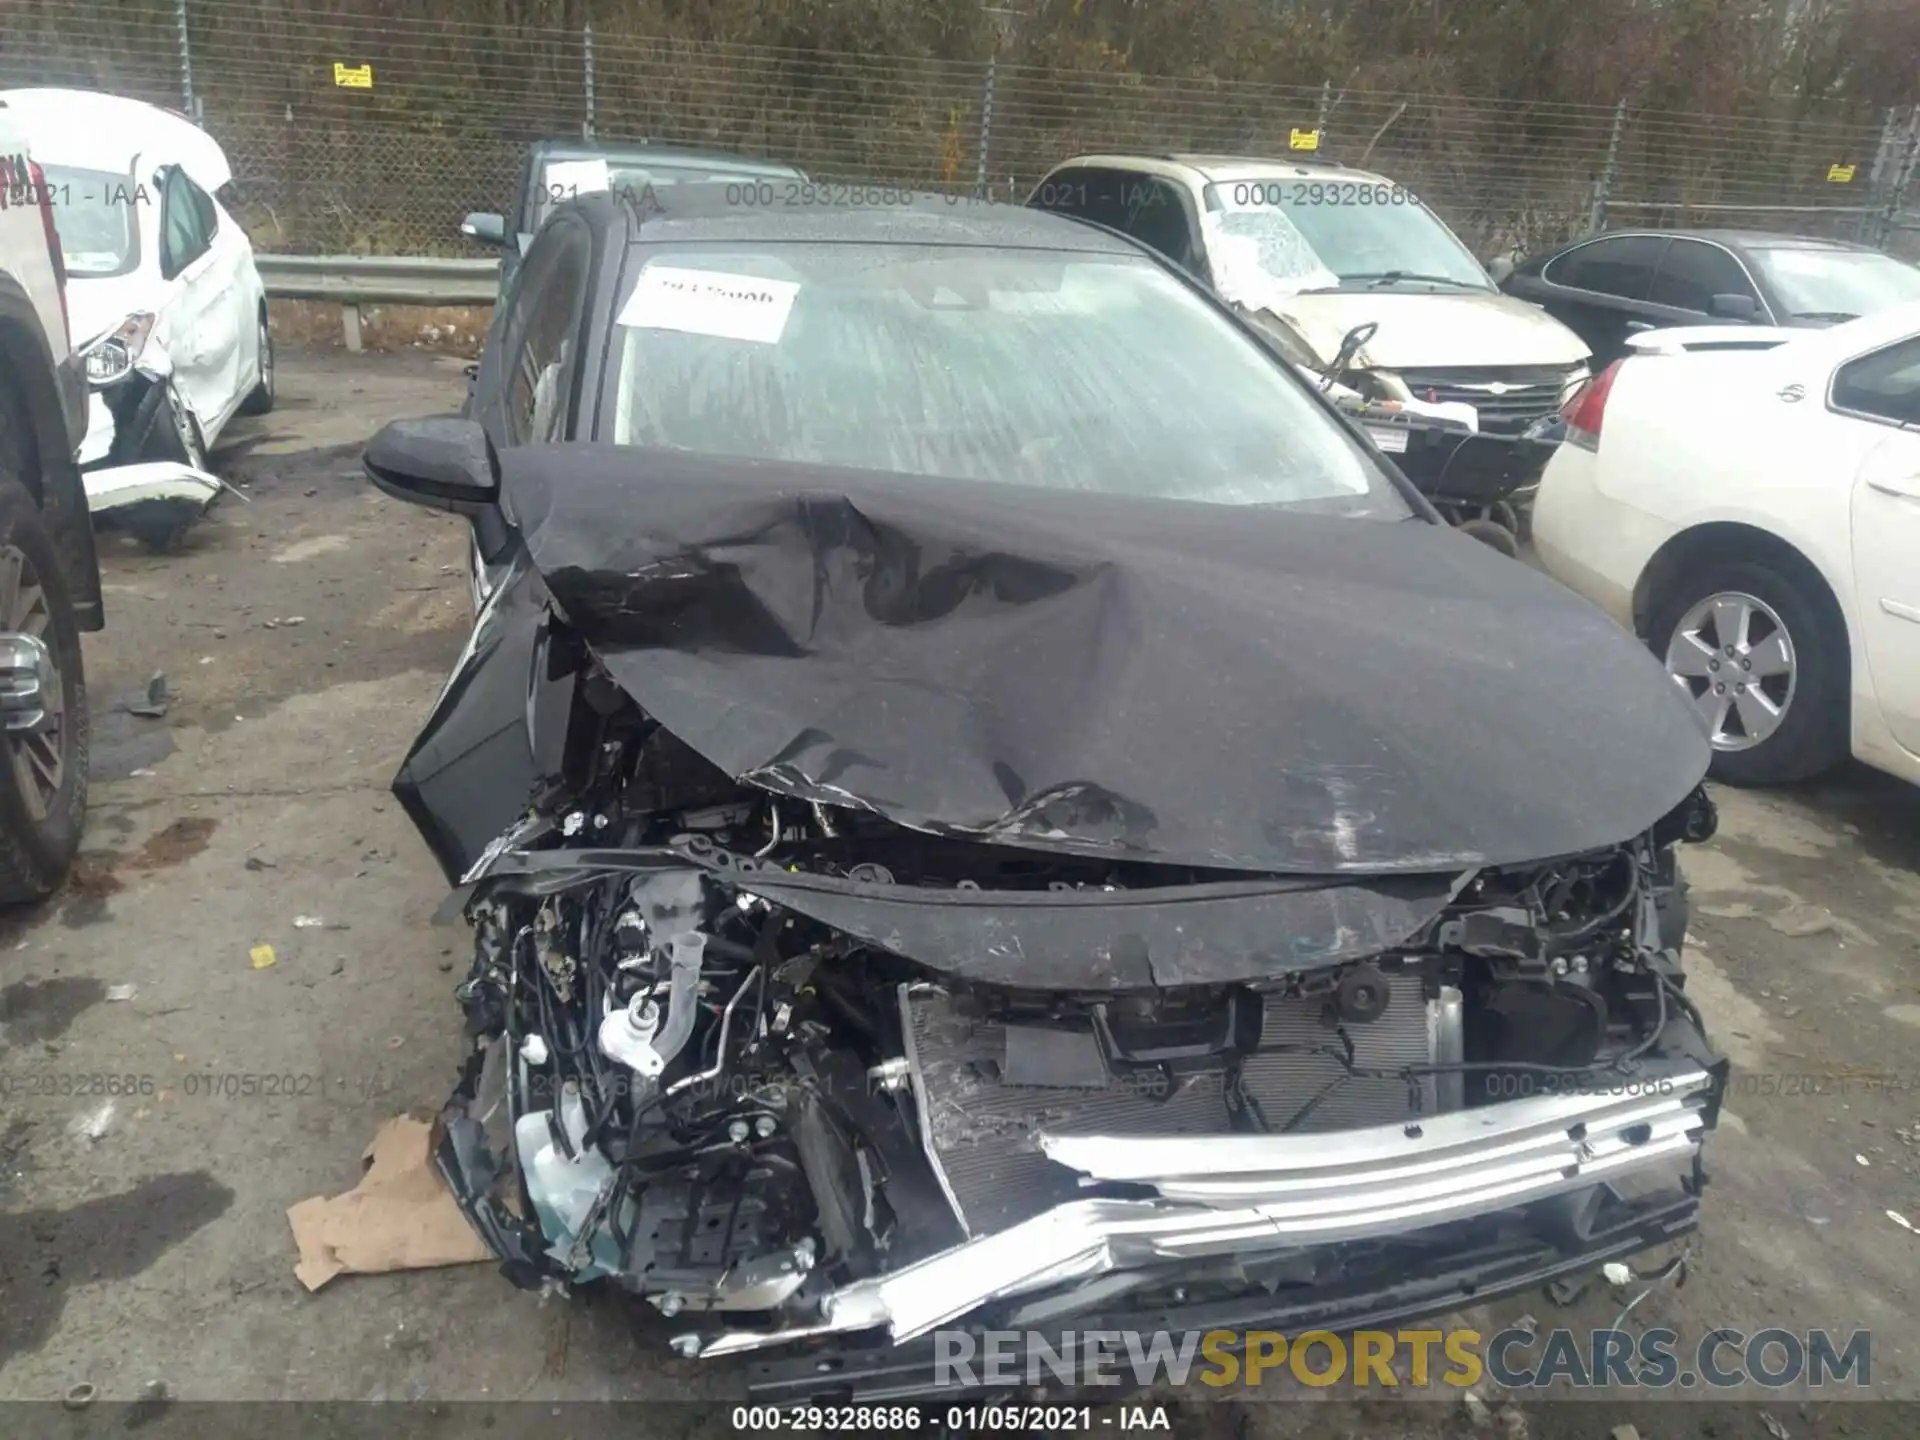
[{"x": 379, "y": 279}]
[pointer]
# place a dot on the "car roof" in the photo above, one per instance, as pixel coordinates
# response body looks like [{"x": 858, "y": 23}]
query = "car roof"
[
  {"x": 644, "y": 150},
  {"x": 1765, "y": 238},
  {"x": 1211, "y": 168},
  {"x": 1736, "y": 239},
  {"x": 707, "y": 213}
]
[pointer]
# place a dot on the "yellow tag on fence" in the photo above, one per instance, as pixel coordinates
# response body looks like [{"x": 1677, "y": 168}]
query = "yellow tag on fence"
[
  {"x": 1303, "y": 140},
  {"x": 1840, "y": 174},
  {"x": 353, "y": 77}
]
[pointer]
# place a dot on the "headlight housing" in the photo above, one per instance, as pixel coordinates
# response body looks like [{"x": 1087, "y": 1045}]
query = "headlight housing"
[{"x": 109, "y": 359}]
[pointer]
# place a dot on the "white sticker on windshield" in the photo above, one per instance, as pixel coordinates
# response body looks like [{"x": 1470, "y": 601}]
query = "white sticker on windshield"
[
  {"x": 567, "y": 179},
  {"x": 710, "y": 302}
]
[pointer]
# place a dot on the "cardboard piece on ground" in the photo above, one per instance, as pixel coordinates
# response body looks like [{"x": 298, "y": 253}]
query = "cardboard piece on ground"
[{"x": 401, "y": 1216}]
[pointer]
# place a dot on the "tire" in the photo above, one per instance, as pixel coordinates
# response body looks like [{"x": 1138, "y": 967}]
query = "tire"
[
  {"x": 260, "y": 400},
  {"x": 1492, "y": 534},
  {"x": 1811, "y": 733},
  {"x": 40, "y": 822}
]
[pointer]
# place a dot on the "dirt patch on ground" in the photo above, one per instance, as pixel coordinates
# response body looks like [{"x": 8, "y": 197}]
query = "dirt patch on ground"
[
  {"x": 180, "y": 841},
  {"x": 41, "y": 1010},
  {"x": 90, "y": 882},
  {"x": 315, "y": 324},
  {"x": 43, "y": 1253}
]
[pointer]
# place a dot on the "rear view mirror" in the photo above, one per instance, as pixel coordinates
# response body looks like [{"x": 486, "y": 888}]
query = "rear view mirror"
[
  {"x": 444, "y": 464},
  {"x": 1733, "y": 307},
  {"x": 487, "y": 228}
]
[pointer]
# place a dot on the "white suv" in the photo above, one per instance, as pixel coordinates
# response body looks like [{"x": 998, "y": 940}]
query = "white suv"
[
  {"x": 49, "y": 578},
  {"x": 1310, "y": 251}
]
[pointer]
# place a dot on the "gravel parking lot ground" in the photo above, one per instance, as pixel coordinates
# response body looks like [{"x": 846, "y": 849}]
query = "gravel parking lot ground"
[{"x": 304, "y": 634}]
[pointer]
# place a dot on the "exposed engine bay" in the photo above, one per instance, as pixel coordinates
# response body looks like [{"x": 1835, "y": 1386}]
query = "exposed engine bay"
[
  {"x": 899, "y": 908},
  {"x": 712, "y": 1098}
]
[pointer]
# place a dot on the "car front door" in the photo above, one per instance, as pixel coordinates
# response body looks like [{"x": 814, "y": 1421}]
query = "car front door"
[
  {"x": 195, "y": 317},
  {"x": 1598, "y": 290},
  {"x": 1878, "y": 395}
]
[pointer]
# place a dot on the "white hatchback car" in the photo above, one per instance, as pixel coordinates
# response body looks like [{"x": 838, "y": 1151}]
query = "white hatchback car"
[
  {"x": 167, "y": 309},
  {"x": 1752, "y": 510}
]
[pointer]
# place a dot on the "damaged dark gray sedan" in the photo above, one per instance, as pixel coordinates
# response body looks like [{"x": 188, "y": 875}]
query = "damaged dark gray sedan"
[{"x": 982, "y": 802}]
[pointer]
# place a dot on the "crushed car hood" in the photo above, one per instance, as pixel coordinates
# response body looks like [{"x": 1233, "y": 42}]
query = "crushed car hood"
[
  {"x": 1433, "y": 331},
  {"x": 1217, "y": 686}
]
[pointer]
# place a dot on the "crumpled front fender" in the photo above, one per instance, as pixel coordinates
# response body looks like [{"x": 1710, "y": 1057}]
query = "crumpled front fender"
[
  {"x": 154, "y": 362},
  {"x": 123, "y": 417}
]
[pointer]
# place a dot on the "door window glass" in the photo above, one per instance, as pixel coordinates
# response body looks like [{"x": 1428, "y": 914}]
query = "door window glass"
[
  {"x": 1885, "y": 384},
  {"x": 540, "y": 334},
  {"x": 1691, "y": 273},
  {"x": 1621, "y": 267},
  {"x": 184, "y": 229},
  {"x": 1086, "y": 194},
  {"x": 1158, "y": 219}
]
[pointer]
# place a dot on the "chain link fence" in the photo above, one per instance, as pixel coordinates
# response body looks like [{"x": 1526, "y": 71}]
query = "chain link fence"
[{"x": 376, "y": 135}]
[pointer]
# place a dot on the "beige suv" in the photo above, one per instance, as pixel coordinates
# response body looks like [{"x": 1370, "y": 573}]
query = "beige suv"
[{"x": 1310, "y": 251}]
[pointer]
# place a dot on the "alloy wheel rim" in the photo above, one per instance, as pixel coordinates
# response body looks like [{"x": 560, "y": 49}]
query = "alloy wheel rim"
[
  {"x": 1733, "y": 657},
  {"x": 39, "y": 756}
]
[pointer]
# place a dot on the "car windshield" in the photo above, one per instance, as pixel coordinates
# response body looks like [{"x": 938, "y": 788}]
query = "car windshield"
[
  {"x": 562, "y": 180},
  {"x": 1835, "y": 285},
  {"x": 1098, "y": 373},
  {"x": 1284, "y": 236},
  {"x": 94, "y": 216}
]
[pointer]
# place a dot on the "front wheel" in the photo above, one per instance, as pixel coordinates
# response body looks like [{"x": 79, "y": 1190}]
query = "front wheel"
[
  {"x": 43, "y": 692},
  {"x": 1762, "y": 654}
]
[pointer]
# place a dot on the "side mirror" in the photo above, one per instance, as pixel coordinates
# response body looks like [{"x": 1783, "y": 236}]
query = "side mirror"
[
  {"x": 1733, "y": 307},
  {"x": 487, "y": 228},
  {"x": 1500, "y": 269},
  {"x": 444, "y": 464},
  {"x": 1638, "y": 327}
]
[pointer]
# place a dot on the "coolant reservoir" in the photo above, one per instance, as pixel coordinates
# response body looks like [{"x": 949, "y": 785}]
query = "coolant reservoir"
[{"x": 564, "y": 1190}]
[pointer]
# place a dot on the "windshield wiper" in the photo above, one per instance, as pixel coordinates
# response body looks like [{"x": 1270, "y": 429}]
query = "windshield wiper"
[
  {"x": 1389, "y": 277},
  {"x": 1835, "y": 315}
]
